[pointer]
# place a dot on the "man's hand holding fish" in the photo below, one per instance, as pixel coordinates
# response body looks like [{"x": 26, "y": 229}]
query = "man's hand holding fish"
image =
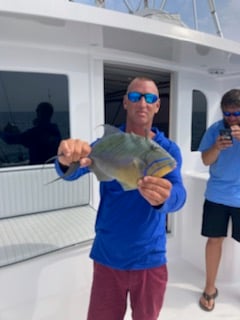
[
  {"x": 74, "y": 151},
  {"x": 154, "y": 189}
]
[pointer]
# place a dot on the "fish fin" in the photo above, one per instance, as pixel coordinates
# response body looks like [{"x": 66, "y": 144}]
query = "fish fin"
[
  {"x": 52, "y": 181},
  {"x": 101, "y": 176},
  {"x": 126, "y": 187},
  {"x": 109, "y": 129},
  {"x": 48, "y": 161},
  {"x": 139, "y": 164},
  {"x": 72, "y": 168},
  {"x": 164, "y": 171},
  {"x": 160, "y": 167},
  {"x": 52, "y": 158}
]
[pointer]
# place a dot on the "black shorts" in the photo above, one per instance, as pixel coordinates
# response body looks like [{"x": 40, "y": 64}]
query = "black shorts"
[{"x": 216, "y": 219}]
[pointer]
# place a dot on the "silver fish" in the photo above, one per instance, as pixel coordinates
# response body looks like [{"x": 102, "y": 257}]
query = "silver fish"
[{"x": 126, "y": 157}]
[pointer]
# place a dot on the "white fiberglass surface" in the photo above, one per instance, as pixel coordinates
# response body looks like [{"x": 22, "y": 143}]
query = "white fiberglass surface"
[
  {"x": 26, "y": 237},
  {"x": 184, "y": 290}
]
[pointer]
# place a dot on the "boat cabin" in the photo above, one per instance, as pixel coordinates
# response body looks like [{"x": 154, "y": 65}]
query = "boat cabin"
[{"x": 80, "y": 58}]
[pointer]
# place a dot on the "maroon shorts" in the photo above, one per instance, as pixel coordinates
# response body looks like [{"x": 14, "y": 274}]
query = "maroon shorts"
[{"x": 110, "y": 288}]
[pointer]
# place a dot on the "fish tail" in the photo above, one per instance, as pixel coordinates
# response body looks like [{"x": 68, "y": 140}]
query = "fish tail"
[
  {"x": 52, "y": 181},
  {"x": 73, "y": 167}
]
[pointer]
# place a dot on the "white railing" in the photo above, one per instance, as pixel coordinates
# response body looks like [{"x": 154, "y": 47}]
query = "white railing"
[
  {"x": 38, "y": 218},
  {"x": 27, "y": 191}
]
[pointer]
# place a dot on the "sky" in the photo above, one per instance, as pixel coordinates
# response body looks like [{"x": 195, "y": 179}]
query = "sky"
[{"x": 228, "y": 12}]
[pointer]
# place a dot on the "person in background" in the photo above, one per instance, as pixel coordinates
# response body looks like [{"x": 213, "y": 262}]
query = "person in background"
[
  {"x": 42, "y": 140},
  {"x": 129, "y": 249},
  {"x": 220, "y": 150}
]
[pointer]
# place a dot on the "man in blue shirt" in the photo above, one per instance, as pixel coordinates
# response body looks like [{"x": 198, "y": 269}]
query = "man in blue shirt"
[
  {"x": 129, "y": 250},
  {"x": 220, "y": 147}
]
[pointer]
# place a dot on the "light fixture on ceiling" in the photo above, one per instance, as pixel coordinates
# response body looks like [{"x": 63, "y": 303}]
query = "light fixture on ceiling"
[{"x": 216, "y": 71}]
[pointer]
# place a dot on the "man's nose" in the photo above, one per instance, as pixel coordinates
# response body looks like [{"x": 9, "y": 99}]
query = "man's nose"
[{"x": 143, "y": 100}]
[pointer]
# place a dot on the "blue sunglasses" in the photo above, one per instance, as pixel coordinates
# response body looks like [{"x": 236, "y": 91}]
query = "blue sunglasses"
[
  {"x": 137, "y": 96},
  {"x": 228, "y": 114}
]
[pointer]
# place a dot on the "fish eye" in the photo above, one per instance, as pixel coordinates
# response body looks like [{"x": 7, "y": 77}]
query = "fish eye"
[{"x": 153, "y": 147}]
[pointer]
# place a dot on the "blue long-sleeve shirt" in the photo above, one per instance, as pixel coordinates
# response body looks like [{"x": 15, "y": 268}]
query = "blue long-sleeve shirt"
[
  {"x": 224, "y": 180},
  {"x": 130, "y": 233}
]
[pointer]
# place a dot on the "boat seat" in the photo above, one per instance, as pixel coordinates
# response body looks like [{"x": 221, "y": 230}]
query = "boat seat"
[{"x": 38, "y": 218}]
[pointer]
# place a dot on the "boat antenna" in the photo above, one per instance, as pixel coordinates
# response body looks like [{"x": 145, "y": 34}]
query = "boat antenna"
[
  {"x": 195, "y": 14},
  {"x": 100, "y": 3},
  {"x": 213, "y": 12},
  {"x": 215, "y": 17},
  {"x": 146, "y": 3},
  {"x": 211, "y": 4},
  {"x": 163, "y": 4},
  {"x": 130, "y": 7}
]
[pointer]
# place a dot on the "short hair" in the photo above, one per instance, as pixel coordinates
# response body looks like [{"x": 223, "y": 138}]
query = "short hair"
[
  {"x": 142, "y": 78},
  {"x": 231, "y": 98}
]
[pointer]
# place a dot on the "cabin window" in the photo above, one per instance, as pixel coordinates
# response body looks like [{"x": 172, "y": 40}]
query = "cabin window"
[
  {"x": 34, "y": 116},
  {"x": 199, "y": 118},
  {"x": 37, "y": 217}
]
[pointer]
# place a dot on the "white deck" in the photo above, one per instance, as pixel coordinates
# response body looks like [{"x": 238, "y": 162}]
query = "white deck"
[
  {"x": 184, "y": 290},
  {"x": 57, "y": 287}
]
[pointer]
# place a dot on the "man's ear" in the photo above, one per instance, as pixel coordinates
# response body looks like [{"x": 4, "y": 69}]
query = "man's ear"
[
  {"x": 158, "y": 105},
  {"x": 125, "y": 102}
]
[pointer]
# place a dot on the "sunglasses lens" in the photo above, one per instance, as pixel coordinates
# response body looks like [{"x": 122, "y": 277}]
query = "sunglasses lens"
[
  {"x": 150, "y": 98},
  {"x": 228, "y": 114},
  {"x": 134, "y": 96}
]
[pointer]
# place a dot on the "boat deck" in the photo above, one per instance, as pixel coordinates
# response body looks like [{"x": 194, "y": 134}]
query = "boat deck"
[{"x": 184, "y": 290}]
